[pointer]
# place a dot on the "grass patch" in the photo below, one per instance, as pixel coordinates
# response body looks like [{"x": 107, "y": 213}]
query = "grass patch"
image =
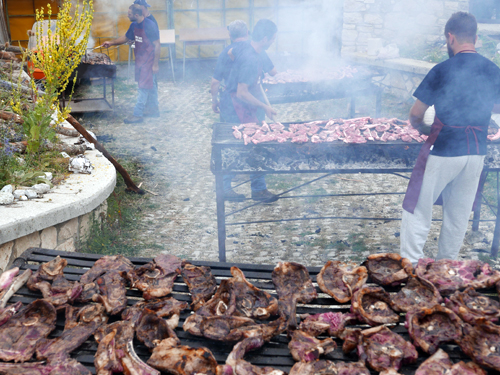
[{"x": 117, "y": 232}]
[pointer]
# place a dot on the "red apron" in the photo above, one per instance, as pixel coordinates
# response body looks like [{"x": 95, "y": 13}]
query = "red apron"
[
  {"x": 144, "y": 58},
  {"x": 246, "y": 112},
  {"x": 417, "y": 176}
]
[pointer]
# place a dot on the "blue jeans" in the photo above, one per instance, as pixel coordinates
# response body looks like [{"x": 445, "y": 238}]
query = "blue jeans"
[
  {"x": 257, "y": 183},
  {"x": 147, "y": 99}
]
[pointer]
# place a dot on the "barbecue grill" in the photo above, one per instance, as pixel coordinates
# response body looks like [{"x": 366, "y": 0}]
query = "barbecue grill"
[
  {"x": 232, "y": 156},
  {"x": 360, "y": 84},
  {"x": 275, "y": 353},
  {"x": 95, "y": 65}
]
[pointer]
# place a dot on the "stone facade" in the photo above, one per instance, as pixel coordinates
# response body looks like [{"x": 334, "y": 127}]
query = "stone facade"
[
  {"x": 394, "y": 21},
  {"x": 64, "y": 236}
]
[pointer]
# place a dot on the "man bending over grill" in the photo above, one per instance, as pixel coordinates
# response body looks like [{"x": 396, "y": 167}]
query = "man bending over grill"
[
  {"x": 147, "y": 54},
  {"x": 464, "y": 90},
  {"x": 244, "y": 97}
]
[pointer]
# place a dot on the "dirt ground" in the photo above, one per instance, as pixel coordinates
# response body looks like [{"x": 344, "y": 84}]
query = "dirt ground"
[{"x": 176, "y": 151}]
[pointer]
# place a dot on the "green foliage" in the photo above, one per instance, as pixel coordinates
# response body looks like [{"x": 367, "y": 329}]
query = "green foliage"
[{"x": 37, "y": 127}]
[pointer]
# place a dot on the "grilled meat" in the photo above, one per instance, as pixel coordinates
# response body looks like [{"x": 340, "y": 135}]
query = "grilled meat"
[
  {"x": 11, "y": 286},
  {"x": 106, "y": 264},
  {"x": 57, "y": 365},
  {"x": 372, "y": 305},
  {"x": 88, "y": 319},
  {"x": 470, "y": 305},
  {"x": 333, "y": 323},
  {"x": 156, "y": 278},
  {"x": 449, "y": 276},
  {"x": 177, "y": 359},
  {"x": 340, "y": 280},
  {"x": 307, "y": 348},
  {"x": 481, "y": 342},
  {"x": 429, "y": 328},
  {"x": 112, "y": 292},
  {"x": 169, "y": 307},
  {"x": 383, "y": 349},
  {"x": 388, "y": 269},
  {"x": 152, "y": 329},
  {"x": 417, "y": 293},
  {"x": 21, "y": 333},
  {"x": 440, "y": 364},
  {"x": 201, "y": 284},
  {"x": 293, "y": 285}
]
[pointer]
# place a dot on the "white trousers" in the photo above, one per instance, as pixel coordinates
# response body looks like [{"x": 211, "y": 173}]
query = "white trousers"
[{"x": 457, "y": 178}]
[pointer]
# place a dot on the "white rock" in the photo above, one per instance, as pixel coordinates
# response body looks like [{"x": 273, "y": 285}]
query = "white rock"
[
  {"x": 80, "y": 164},
  {"x": 19, "y": 193},
  {"x": 23, "y": 198},
  {"x": 6, "y": 198},
  {"x": 41, "y": 188},
  {"x": 48, "y": 176},
  {"x": 6, "y": 189},
  {"x": 31, "y": 194}
]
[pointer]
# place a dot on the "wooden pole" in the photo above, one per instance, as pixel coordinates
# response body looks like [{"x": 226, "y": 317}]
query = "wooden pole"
[{"x": 128, "y": 181}]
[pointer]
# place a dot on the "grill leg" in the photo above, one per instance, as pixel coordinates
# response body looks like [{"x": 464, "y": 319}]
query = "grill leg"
[
  {"x": 184, "y": 61},
  {"x": 221, "y": 216},
  {"x": 496, "y": 233},
  {"x": 171, "y": 62},
  {"x": 478, "y": 202}
]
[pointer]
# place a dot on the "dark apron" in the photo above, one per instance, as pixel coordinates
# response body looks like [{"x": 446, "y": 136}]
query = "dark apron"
[
  {"x": 417, "y": 176},
  {"x": 144, "y": 59},
  {"x": 247, "y": 112}
]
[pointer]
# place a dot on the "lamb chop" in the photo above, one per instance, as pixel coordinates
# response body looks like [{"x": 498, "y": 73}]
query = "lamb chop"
[
  {"x": 10, "y": 283},
  {"x": 105, "y": 264},
  {"x": 80, "y": 325},
  {"x": 57, "y": 365},
  {"x": 169, "y": 307},
  {"x": 417, "y": 293},
  {"x": 7, "y": 312},
  {"x": 152, "y": 329},
  {"x": 50, "y": 281},
  {"x": 177, "y": 359},
  {"x": 340, "y": 280},
  {"x": 440, "y": 364},
  {"x": 449, "y": 276},
  {"x": 21, "y": 333},
  {"x": 429, "y": 328},
  {"x": 293, "y": 286},
  {"x": 372, "y": 305},
  {"x": 304, "y": 347},
  {"x": 471, "y": 305},
  {"x": 115, "y": 352},
  {"x": 388, "y": 269},
  {"x": 156, "y": 278},
  {"x": 201, "y": 283},
  {"x": 351, "y": 368},
  {"x": 481, "y": 342},
  {"x": 383, "y": 349},
  {"x": 333, "y": 323}
]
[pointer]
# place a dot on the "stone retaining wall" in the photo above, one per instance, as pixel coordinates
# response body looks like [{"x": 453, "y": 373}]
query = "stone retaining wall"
[{"x": 64, "y": 236}]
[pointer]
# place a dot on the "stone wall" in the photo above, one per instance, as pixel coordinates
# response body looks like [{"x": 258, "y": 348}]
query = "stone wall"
[
  {"x": 64, "y": 236},
  {"x": 405, "y": 23}
]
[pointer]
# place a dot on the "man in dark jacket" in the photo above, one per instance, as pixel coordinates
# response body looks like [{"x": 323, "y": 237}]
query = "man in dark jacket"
[
  {"x": 464, "y": 90},
  {"x": 146, "y": 36}
]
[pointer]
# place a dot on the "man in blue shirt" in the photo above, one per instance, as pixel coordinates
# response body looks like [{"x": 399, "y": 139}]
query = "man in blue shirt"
[
  {"x": 146, "y": 36},
  {"x": 464, "y": 90}
]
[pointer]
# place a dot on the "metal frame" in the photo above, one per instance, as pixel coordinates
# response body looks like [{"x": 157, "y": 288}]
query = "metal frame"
[{"x": 96, "y": 104}]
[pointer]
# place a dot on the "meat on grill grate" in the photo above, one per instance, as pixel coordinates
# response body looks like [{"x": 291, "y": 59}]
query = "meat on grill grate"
[
  {"x": 9, "y": 288},
  {"x": 201, "y": 283},
  {"x": 304, "y": 347},
  {"x": 21, "y": 333},
  {"x": 58, "y": 365},
  {"x": 293, "y": 285},
  {"x": 340, "y": 280},
  {"x": 168, "y": 307},
  {"x": 330, "y": 322},
  {"x": 481, "y": 342},
  {"x": 156, "y": 278},
  {"x": 429, "y": 328},
  {"x": 95, "y": 58},
  {"x": 371, "y": 304},
  {"x": 151, "y": 329},
  {"x": 388, "y": 269},
  {"x": 105, "y": 264},
  {"x": 471, "y": 305},
  {"x": 112, "y": 292},
  {"x": 440, "y": 364},
  {"x": 417, "y": 293}
]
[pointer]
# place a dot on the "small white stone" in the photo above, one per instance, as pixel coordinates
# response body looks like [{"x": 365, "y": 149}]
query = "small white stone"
[
  {"x": 23, "y": 198},
  {"x": 41, "y": 188},
  {"x": 492, "y": 348},
  {"x": 6, "y": 189},
  {"x": 6, "y": 198},
  {"x": 31, "y": 194},
  {"x": 48, "y": 176},
  {"x": 19, "y": 193}
]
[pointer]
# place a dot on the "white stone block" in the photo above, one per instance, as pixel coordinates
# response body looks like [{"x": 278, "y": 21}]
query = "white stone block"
[
  {"x": 68, "y": 245},
  {"x": 373, "y": 19},
  {"x": 25, "y": 242},
  {"x": 6, "y": 254},
  {"x": 354, "y": 6},
  {"x": 352, "y": 17},
  {"x": 68, "y": 230},
  {"x": 349, "y": 36},
  {"x": 6, "y": 198},
  {"x": 7, "y": 189},
  {"x": 85, "y": 224},
  {"x": 349, "y": 27},
  {"x": 48, "y": 238}
]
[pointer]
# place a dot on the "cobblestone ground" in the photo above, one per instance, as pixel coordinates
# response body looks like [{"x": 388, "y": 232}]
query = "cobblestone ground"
[{"x": 176, "y": 150}]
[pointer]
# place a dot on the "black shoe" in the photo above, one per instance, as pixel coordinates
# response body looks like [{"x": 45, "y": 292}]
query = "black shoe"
[
  {"x": 264, "y": 196},
  {"x": 133, "y": 120},
  {"x": 232, "y": 196}
]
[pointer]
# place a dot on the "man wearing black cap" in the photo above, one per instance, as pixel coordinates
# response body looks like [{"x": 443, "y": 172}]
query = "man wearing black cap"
[{"x": 145, "y": 11}]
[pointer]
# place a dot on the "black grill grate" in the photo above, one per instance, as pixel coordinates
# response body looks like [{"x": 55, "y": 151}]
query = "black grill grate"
[{"x": 274, "y": 353}]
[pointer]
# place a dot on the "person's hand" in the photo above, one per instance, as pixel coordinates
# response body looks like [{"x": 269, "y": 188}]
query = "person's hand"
[
  {"x": 106, "y": 44},
  {"x": 215, "y": 106},
  {"x": 270, "y": 112}
]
